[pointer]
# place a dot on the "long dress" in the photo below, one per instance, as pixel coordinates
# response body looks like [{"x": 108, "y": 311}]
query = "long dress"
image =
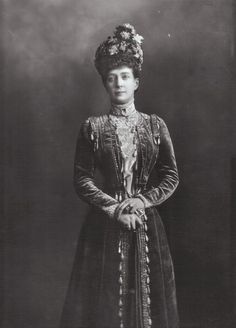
[{"x": 121, "y": 278}]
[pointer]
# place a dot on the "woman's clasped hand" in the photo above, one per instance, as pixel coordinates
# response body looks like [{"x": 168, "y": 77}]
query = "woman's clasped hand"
[
  {"x": 134, "y": 204},
  {"x": 130, "y": 217}
]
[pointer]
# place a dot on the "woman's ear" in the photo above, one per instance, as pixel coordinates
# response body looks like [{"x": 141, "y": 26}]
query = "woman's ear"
[{"x": 136, "y": 83}]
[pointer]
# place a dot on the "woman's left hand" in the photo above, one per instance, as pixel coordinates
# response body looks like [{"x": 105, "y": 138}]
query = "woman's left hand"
[{"x": 134, "y": 204}]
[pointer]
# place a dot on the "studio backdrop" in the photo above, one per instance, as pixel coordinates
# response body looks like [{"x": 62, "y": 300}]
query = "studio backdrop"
[{"x": 49, "y": 86}]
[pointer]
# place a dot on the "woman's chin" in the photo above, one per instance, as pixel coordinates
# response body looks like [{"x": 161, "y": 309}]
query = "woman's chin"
[{"x": 120, "y": 100}]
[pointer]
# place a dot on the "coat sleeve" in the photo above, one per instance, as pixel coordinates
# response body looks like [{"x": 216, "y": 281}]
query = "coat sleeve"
[
  {"x": 84, "y": 174},
  {"x": 167, "y": 171}
]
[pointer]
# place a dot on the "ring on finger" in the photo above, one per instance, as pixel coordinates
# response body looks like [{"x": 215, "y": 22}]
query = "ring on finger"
[{"x": 128, "y": 208}]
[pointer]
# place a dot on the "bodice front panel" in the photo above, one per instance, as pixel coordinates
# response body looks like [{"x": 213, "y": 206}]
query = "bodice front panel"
[{"x": 126, "y": 151}]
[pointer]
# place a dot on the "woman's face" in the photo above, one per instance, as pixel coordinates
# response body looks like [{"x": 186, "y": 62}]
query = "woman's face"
[{"x": 121, "y": 84}]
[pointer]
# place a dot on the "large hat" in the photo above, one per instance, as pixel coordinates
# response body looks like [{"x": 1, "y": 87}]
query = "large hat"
[{"x": 124, "y": 47}]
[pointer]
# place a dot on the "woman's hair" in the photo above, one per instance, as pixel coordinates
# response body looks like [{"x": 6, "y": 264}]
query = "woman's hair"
[{"x": 122, "y": 49}]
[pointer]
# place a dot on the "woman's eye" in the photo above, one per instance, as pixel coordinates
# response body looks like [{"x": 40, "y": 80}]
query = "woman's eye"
[
  {"x": 125, "y": 77},
  {"x": 110, "y": 79}
]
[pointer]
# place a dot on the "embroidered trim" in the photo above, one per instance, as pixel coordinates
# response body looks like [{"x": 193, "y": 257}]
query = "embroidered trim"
[
  {"x": 93, "y": 132},
  {"x": 142, "y": 271},
  {"x": 143, "y": 250},
  {"x": 155, "y": 124},
  {"x": 123, "y": 250}
]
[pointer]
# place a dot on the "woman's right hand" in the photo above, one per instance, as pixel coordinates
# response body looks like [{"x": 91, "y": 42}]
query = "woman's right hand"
[{"x": 130, "y": 221}]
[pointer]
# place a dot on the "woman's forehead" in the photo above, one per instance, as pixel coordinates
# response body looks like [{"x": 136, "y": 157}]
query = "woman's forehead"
[{"x": 120, "y": 70}]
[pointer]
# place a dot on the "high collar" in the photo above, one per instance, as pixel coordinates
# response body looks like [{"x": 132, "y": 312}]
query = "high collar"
[{"x": 123, "y": 109}]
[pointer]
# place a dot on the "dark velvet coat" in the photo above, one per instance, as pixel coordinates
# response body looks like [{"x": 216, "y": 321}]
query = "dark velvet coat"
[{"x": 122, "y": 279}]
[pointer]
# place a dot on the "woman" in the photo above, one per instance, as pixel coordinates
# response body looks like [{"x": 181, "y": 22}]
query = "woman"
[{"x": 123, "y": 274}]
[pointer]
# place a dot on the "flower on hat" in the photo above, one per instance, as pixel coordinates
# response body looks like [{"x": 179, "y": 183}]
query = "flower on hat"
[
  {"x": 130, "y": 27},
  {"x": 122, "y": 46},
  {"x": 113, "y": 50},
  {"x": 138, "y": 38},
  {"x": 111, "y": 40},
  {"x": 125, "y": 35}
]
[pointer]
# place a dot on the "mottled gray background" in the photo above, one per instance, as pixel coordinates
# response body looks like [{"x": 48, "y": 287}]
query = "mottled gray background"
[{"x": 49, "y": 85}]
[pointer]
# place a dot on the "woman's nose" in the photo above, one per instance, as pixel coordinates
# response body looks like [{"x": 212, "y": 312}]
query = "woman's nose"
[{"x": 118, "y": 81}]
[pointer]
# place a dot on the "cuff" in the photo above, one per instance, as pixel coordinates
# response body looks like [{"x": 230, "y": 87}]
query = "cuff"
[
  {"x": 146, "y": 203},
  {"x": 120, "y": 208},
  {"x": 110, "y": 210}
]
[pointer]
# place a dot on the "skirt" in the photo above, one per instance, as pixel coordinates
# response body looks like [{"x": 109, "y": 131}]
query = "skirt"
[{"x": 121, "y": 279}]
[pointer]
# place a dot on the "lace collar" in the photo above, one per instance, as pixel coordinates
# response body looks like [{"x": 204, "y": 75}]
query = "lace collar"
[{"x": 126, "y": 110}]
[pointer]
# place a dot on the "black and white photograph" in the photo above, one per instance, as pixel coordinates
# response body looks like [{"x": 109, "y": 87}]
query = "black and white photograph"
[{"x": 118, "y": 164}]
